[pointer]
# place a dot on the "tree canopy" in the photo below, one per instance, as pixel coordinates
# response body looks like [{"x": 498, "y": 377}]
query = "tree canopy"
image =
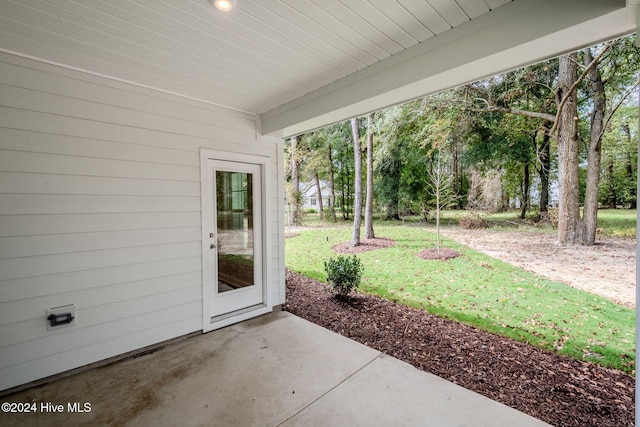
[{"x": 515, "y": 140}]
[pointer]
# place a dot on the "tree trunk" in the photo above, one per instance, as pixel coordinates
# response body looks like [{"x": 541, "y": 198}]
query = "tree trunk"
[
  {"x": 294, "y": 197},
  {"x": 387, "y": 211},
  {"x": 629, "y": 169},
  {"x": 357, "y": 208},
  {"x": 347, "y": 201},
  {"x": 544, "y": 159},
  {"x": 319, "y": 196},
  {"x": 391, "y": 207},
  {"x": 458, "y": 171},
  {"x": 526, "y": 183},
  {"x": 569, "y": 224},
  {"x": 332, "y": 184},
  {"x": 368, "y": 210},
  {"x": 633, "y": 203},
  {"x": 594, "y": 151},
  {"x": 611, "y": 194},
  {"x": 438, "y": 185},
  {"x": 343, "y": 197}
]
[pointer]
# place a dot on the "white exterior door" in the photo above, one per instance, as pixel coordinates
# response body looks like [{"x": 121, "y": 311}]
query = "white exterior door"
[{"x": 232, "y": 239}]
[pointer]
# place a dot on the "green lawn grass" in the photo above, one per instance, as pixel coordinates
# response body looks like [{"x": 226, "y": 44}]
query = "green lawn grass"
[
  {"x": 617, "y": 222},
  {"x": 481, "y": 291}
]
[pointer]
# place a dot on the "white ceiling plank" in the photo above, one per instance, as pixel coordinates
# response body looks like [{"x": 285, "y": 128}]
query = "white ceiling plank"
[
  {"x": 402, "y": 18},
  {"x": 16, "y": 42},
  {"x": 266, "y": 41},
  {"x": 278, "y": 15},
  {"x": 262, "y": 55},
  {"x": 119, "y": 47},
  {"x": 138, "y": 67},
  {"x": 213, "y": 49},
  {"x": 473, "y": 8},
  {"x": 358, "y": 46},
  {"x": 514, "y": 35},
  {"x": 119, "y": 36},
  {"x": 351, "y": 19},
  {"x": 225, "y": 72},
  {"x": 246, "y": 41},
  {"x": 382, "y": 22},
  {"x": 295, "y": 74},
  {"x": 450, "y": 11},
  {"x": 72, "y": 52},
  {"x": 426, "y": 14},
  {"x": 494, "y": 4}
]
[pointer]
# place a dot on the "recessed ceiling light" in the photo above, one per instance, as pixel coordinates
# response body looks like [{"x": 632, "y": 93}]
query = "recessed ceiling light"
[{"x": 224, "y": 5}]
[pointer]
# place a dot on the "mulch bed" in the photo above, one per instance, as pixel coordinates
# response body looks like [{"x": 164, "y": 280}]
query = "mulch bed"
[
  {"x": 365, "y": 245},
  {"x": 550, "y": 387},
  {"x": 434, "y": 254}
]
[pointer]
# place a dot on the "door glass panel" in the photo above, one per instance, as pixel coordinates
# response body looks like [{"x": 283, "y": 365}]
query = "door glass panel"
[{"x": 234, "y": 211}]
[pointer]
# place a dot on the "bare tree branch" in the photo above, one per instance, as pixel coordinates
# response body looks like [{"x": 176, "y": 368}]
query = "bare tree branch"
[
  {"x": 484, "y": 98},
  {"x": 533, "y": 114},
  {"x": 575, "y": 84},
  {"x": 631, "y": 90}
]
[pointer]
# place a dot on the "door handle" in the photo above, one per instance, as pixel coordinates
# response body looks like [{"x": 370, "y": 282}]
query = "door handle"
[{"x": 212, "y": 246}]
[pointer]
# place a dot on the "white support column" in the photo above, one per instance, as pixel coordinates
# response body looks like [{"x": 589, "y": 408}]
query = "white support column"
[
  {"x": 637, "y": 263},
  {"x": 636, "y": 13}
]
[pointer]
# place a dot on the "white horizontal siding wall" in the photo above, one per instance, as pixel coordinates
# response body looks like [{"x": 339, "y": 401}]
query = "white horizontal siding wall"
[{"x": 100, "y": 207}]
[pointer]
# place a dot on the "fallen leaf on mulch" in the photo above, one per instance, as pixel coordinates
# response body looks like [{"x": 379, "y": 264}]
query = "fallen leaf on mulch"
[{"x": 545, "y": 385}]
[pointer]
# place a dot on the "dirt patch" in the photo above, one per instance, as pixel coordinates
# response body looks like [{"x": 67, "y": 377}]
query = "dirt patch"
[
  {"x": 434, "y": 254},
  {"x": 550, "y": 387},
  {"x": 607, "y": 269},
  {"x": 365, "y": 245}
]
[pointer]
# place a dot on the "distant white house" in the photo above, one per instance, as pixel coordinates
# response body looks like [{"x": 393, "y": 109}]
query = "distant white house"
[{"x": 310, "y": 198}]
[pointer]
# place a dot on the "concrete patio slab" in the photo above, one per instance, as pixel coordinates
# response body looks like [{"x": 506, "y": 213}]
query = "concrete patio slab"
[
  {"x": 275, "y": 370},
  {"x": 389, "y": 392}
]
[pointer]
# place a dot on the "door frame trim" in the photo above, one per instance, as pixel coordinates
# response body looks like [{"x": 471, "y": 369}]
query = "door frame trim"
[{"x": 209, "y": 322}]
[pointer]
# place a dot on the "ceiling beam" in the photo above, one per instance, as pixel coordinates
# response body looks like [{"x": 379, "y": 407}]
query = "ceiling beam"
[{"x": 517, "y": 34}]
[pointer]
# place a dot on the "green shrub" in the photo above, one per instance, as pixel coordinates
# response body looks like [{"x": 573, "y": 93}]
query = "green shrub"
[
  {"x": 311, "y": 211},
  {"x": 343, "y": 273}
]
